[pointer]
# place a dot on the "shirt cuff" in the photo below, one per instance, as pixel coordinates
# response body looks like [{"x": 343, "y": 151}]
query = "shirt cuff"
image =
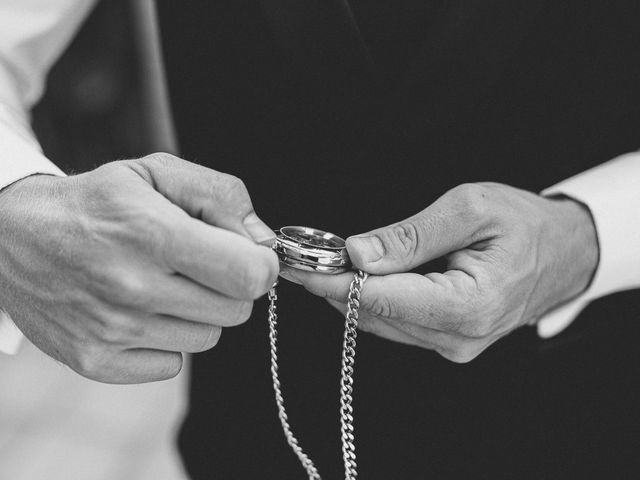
[
  {"x": 611, "y": 191},
  {"x": 20, "y": 157},
  {"x": 20, "y": 153}
]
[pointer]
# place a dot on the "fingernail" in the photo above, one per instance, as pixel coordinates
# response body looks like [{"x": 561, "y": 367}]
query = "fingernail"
[
  {"x": 369, "y": 249},
  {"x": 258, "y": 230}
]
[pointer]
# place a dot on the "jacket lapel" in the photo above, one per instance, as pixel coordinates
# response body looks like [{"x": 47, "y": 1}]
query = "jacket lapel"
[
  {"x": 320, "y": 37},
  {"x": 463, "y": 54}
]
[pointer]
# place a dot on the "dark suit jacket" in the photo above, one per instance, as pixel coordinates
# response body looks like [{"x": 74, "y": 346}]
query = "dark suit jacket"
[{"x": 295, "y": 103}]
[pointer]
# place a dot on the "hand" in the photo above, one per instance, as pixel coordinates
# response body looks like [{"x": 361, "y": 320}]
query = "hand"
[
  {"x": 116, "y": 271},
  {"x": 512, "y": 257}
]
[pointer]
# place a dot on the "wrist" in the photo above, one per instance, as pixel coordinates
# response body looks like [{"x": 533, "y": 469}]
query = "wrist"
[
  {"x": 35, "y": 178},
  {"x": 23, "y": 199},
  {"x": 577, "y": 246}
]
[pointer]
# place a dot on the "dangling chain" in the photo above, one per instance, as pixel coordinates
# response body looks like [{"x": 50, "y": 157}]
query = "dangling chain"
[
  {"x": 346, "y": 381},
  {"x": 306, "y": 462},
  {"x": 346, "y": 378}
]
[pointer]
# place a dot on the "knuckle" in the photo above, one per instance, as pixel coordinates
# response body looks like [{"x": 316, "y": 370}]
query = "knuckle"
[
  {"x": 403, "y": 239},
  {"x": 231, "y": 194},
  {"x": 462, "y": 356},
  {"x": 460, "y": 353},
  {"x": 129, "y": 289},
  {"x": 272, "y": 269},
  {"x": 146, "y": 166},
  {"x": 472, "y": 199},
  {"x": 120, "y": 330},
  {"x": 91, "y": 362},
  {"x": 109, "y": 334},
  {"x": 239, "y": 313},
  {"x": 160, "y": 158},
  {"x": 212, "y": 339},
  {"x": 232, "y": 186},
  {"x": 250, "y": 281},
  {"x": 381, "y": 306},
  {"x": 469, "y": 191},
  {"x": 111, "y": 170},
  {"x": 257, "y": 277},
  {"x": 243, "y": 312},
  {"x": 97, "y": 189}
]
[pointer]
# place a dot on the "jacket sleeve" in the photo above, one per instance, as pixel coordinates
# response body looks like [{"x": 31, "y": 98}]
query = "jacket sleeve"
[
  {"x": 33, "y": 34},
  {"x": 611, "y": 191}
]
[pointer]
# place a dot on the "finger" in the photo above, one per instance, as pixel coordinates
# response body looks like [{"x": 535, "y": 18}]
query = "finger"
[
  {"x": 171, "y": 334},
  {"x": 177, "y": 296},
  {"x": 439, "y": 301},
  {"x": 220, "y": 260},
  {"x": 214, "y": 197},
  {"x": 133, "y": 366},
  {"x": 453, "y": 347},
  {"x": 370, "y": 324},
  {"x": 430, "y": 312},
  {"x": 456, "y": 220}
]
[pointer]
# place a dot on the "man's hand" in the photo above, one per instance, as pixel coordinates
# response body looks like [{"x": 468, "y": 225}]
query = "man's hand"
[
  {"x": 116, "y": 271},
  {"x": 512, "y": 257}
]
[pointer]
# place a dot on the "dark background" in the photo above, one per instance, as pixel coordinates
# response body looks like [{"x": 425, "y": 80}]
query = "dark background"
[{"x": 525, "y": 93}]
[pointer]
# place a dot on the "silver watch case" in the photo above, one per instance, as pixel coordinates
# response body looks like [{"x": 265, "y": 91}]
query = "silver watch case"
[{"x": 312, "y": 250}]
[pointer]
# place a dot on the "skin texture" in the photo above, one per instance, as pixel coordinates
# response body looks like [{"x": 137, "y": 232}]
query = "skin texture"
[
  {"x": 512, "y": 256},
  {"x": 117, "y": 271}
]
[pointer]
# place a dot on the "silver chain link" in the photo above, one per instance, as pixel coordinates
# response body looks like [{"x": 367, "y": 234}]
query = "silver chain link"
[
  {"x": 346, "y": 381},
  {"x": 306, "y": 462},
  {"x": 346, "y": 377}
]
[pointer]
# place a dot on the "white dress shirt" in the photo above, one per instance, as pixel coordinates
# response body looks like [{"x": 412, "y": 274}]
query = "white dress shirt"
[
  {"x": 55, "y": 424},
  {"x": 42, "y": 401}
]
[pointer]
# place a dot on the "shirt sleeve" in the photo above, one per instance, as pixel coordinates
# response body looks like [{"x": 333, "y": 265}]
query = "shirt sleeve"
[
  {"x": 33, "y": 34},
  {"x": 20, "y": 156},
  {"x": 611, "y": 191}
]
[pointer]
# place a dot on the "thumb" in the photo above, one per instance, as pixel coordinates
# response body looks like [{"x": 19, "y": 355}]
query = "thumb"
[
  {"x": 454, "y": 221},
  {"x": 215, "y": 198}
]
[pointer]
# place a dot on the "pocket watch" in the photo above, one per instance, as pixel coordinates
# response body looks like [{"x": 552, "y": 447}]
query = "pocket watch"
[
  {"x": 318, "y": 251},
  {"x": 312, "y": 250}
]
